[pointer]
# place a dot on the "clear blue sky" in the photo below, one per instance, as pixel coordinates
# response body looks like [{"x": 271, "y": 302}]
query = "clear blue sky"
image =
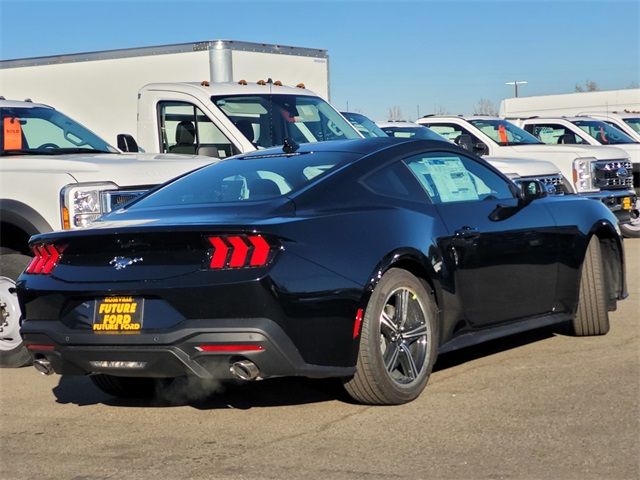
[{"x": 382, "y": 53}]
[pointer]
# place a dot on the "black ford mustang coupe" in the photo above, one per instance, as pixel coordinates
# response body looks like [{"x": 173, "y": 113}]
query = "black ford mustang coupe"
[{"x": 358, "y": 259}]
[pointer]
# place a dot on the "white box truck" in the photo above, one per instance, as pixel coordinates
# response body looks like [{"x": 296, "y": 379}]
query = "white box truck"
[{"x": 101, "y": 88}]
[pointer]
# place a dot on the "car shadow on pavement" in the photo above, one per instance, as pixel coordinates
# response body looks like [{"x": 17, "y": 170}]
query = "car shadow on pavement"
[{"x": 81, "y": 391}]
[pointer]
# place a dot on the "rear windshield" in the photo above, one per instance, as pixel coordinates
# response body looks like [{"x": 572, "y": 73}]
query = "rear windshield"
[
  {"x": 242, "y": 179},
  {"x": 413, "y": 132}
]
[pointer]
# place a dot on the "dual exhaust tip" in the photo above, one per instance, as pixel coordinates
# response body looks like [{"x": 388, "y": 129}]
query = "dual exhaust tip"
[{"x": 243, "y": 369}]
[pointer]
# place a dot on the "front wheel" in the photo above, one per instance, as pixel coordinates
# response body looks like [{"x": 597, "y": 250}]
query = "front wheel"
[
  {"x": 592, "y": 316},
  {"x": 397, "y": 343},
  {"x": 12, "y": 351}
]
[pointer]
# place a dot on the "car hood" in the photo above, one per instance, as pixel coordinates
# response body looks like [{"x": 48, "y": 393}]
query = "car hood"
[
  {"x": 597, "y": 151},
  {"x": 524, "y": 167},
  {"x": 633, "y": 149},
  {"x": 124, "y": 169}
]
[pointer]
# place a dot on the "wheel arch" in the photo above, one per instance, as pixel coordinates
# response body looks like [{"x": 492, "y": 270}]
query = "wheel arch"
[
  {"x": 611, "y": 246},
  {"x": 409, "y": 259},
  {"x": 18, "y": 222}
]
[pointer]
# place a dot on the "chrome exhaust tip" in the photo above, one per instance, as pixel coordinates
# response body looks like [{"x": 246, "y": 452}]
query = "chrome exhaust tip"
[
  {"x": 43, "y": 366},
  {"x": 245, "y": 370}
]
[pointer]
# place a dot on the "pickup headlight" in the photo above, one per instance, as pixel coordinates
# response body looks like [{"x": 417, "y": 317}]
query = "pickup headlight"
[
  {"x": 81, "y": 204},
  {"x": 583, "y": 175}
]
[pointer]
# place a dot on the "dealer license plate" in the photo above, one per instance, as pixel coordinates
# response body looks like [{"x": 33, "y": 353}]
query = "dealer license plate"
[{"x": 118, "y": 315}]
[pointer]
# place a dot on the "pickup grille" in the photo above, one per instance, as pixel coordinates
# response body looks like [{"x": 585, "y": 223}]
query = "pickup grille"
[
  {"x": 114, "y": 199},
  {"x": 555, "y": 180},
  {"x": 613, "y": 174}
]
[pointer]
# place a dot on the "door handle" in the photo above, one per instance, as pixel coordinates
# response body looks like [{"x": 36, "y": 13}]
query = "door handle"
[{"x": 467, "y": 232}]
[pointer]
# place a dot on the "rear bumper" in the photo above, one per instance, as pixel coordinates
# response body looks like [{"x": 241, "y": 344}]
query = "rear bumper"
[
  {"x": 615, "y": 201},
  {"x": 175, "y": 352}
]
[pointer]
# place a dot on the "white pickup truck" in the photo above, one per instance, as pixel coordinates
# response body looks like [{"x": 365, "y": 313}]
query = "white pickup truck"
[
  {"x": 599, "y": 172},
  {"x": 592, "y": 132},
  {"x": 56, "y": 174}
]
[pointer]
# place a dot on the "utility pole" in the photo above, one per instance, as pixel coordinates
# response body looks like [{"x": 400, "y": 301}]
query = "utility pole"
[{"x": 515, "y": 85}]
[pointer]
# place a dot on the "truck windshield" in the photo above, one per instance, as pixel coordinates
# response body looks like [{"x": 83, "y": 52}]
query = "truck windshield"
[
  {"x": 633, "y": 123},
  {"x": 267, "y": 120},
  {"x": 504, "y": 133},
  {"x": 603, "y": 132},
  {"x": 45, "y": 131}
]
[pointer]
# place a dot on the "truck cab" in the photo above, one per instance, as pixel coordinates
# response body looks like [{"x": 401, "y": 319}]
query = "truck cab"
[
  {"x": 224, "y": 119},
  {"x": 585, "y": 167}
]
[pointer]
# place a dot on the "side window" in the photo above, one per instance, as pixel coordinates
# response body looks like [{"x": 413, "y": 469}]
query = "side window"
[
  {"x": 553, "y": 134},
  {"x": 449, "y": 177},
  {"x": 394, "y": 181},
  {"x": 184, "y": 128}
]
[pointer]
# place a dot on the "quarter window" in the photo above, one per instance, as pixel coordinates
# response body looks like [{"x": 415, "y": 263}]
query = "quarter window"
[
  {"x": 552, "y": 133},
  {"x": 449, "y": 177}
]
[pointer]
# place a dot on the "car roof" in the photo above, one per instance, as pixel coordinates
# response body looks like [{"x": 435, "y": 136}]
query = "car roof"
[
  {"x": 21, "y": 104},
  {"x": 231, "y": 88},
  {"x": 361, "y": 147}
]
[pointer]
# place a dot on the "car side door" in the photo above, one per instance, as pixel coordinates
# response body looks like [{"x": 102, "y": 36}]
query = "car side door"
[{"x": 503, "y": 254}]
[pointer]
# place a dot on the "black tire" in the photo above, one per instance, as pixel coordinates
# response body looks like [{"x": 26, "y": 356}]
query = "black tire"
[
  {"x": 11, "y": 266},
  {"x": 592, "y": 316},
  {"x": 377, "y": 381},
  {"x": 125, "y": 387}
]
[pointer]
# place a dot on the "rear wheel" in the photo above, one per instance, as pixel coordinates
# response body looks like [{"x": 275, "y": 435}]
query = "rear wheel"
[
  {"x": 592, "y": 316},
  {"x": 125, "y": 387},
  {"x": 397, "y": 343},
  {"x": 12, "y": 351}
]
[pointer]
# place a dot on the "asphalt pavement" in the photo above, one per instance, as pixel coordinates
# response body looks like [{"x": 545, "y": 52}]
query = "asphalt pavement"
[{"x": 540, "y": 405}]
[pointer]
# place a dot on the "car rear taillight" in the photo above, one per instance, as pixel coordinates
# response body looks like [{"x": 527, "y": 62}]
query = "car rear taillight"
[
  {"x": 45, "y": 258},
  {"x": 239, "y": 251}
]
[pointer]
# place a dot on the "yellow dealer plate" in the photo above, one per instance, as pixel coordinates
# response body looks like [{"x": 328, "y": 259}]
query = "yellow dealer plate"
[
  {"x": 626, "y": 203},
  {"x": 118, "y": 315}
]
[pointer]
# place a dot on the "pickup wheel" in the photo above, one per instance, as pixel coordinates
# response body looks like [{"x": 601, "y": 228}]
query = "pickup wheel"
[
  {"x": 592, "y": 316},
  {"x": 398, "y": 342},
  {"x": 12, "y": 351},
  {"x": 125, "y": 387}
]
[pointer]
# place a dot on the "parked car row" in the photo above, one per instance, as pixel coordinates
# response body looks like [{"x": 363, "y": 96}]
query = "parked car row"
[{"x": 263, "y": 236}]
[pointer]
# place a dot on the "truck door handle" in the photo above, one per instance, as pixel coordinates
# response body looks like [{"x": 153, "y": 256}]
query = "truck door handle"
[{"x": 466, "y": 232}]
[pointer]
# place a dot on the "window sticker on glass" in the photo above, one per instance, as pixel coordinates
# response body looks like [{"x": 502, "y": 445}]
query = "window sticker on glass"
[{"x": 446, "y": 179}]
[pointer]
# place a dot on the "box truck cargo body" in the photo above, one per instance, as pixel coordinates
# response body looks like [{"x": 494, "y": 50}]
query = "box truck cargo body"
[
  {"x": 571, "y": 103},
  {"x": 100, "y": 89}
]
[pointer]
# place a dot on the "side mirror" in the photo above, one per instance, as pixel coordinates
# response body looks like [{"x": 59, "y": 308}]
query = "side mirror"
[
  {"x": 465, "y": 141},
  {"x": 480, "y": 149},
  {"x": 531, "y": 190},
  {"x": 208, "y": 151},
  {"x": 127, "y": 143}
]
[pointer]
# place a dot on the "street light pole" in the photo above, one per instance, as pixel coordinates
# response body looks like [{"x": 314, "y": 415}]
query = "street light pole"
[{"x": 515, "y": 85}]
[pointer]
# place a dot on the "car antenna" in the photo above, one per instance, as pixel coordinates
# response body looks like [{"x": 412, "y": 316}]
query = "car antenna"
[{"x": 290, "y": 145}]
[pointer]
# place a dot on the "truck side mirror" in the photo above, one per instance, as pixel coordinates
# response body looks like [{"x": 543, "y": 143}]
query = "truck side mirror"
[
  {"x": 127, "y": 143},
  {"x": 465, "y": 141},
  {"x": 480, "y": 149}
]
